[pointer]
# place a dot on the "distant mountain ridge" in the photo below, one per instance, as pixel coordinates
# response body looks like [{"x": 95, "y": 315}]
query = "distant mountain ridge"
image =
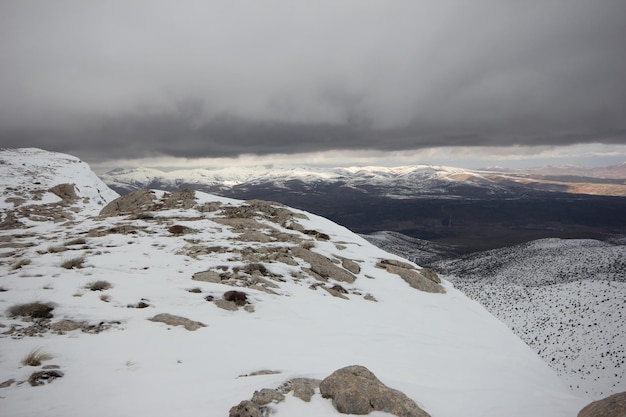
[{"x": 394, "y": 182}]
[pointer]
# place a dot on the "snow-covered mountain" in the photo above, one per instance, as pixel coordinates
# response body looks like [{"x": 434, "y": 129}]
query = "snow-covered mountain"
[
  {"x": 187, "y": 303},
  {"x": 416, "y": 181},
  {"x": 398, "y": 182}
]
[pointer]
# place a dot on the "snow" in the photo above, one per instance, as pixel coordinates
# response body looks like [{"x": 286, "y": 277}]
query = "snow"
[
  {"x": 442, "y": 350},
  {"x": 29, "y": 172}
]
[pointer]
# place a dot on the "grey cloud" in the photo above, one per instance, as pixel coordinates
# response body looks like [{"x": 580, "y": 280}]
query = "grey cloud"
[{"x": 223, "y": 78}]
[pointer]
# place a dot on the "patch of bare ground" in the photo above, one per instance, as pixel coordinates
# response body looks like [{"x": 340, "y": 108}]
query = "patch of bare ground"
[{"x": 42, "y": 326}]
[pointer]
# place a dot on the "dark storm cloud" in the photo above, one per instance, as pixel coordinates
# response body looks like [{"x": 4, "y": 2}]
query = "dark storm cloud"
[{"x": 223, "y": 78}]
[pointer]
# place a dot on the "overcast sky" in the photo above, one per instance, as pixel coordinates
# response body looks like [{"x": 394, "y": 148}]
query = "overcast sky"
[{"x": 212, "y": 79}]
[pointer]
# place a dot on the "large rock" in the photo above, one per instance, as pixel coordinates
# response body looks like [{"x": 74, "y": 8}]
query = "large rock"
[
  {"x": 136, "y": 202},
  {"x": 323, "y": 266},
  {"x": 613, "y": 406},
  {"x": 66, "y": 192},
  {"x": 356, "y": 390}
]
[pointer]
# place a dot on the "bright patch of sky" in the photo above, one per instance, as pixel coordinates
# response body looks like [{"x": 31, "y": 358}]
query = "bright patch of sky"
[{"x": 584, "y": 155}]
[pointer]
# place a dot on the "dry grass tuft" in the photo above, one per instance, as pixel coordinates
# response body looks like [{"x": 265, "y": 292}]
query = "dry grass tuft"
[
  {"x": 35, "y": 310},
  {"x": 76, "y": 241},
  {"x": 76, "y": 262},
  {"x": 56, "y": 249},
  {"x": 35, "y": 357},
  {"x": 99, "y": 285},
  {"x": 20, "y": 263},
  {"x": 106, "y": 298}
]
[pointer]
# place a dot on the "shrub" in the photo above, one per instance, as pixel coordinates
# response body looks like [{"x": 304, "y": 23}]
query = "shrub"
[
  {"x": 76, "y": 262},
  {"x": 99, "y": 285},
  {"x": 35, "y": 357},
  {"x": 35, "y": 310},
  {"x": 20, "y": 263}
]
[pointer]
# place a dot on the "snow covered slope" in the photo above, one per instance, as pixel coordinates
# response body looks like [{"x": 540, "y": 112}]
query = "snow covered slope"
[
  {"x": 316, "y": 297},
  {"x": 565, "y": 298},
  {"x": 33, "y": 177}
]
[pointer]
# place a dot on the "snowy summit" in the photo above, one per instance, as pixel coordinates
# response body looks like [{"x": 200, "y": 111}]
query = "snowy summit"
[{"x": 189, "y": 304}]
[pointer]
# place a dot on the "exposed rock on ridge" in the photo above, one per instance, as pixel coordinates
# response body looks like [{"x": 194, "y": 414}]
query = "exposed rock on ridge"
[
  {"x": 612, "y": 406},
  {"x": 356, "y": 390},
  {"x": 353, "y": 390}
]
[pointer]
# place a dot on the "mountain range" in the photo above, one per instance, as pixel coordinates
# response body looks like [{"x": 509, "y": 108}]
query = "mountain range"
[{"x": 192, "y": 304}]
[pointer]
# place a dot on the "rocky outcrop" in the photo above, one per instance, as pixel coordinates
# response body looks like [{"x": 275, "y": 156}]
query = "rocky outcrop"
[
  {"x": 353, "y": 390},
  {"x": 613, "y": 406},
  {"x": 356, "y": 390},
  {"x": 428, "y": 281},
  {"x": 66, "y": 192},
  {"x": 134, "y": 203},
  {"x": 323, "y": 266}
]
